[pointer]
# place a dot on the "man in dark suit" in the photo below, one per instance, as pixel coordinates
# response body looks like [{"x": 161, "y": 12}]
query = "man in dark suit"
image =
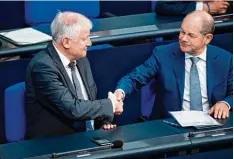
[
  {"x": 190, "y": 75},
  {"x": 60, "y": 90},
  {"x": 185, "y": 7}
]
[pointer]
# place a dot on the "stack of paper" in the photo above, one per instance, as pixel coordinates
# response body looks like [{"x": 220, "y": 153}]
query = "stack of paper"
[
  {"x": 194, "y": 118},
  {"x": 26, "y": 36}
]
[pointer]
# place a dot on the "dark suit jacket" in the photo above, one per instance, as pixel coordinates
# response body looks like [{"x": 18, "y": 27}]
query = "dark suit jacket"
[
  {"x": 179, "y": 8},
  {"x": 167, "y": 66},
  {"x": 52, "y": 105},
  {"x": 175, "y": 7}
]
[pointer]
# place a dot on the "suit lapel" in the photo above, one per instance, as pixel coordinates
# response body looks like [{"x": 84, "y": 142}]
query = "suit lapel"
[
  {"x": 178, "y": 61},
  {"x": 53, "y": 53},
  {"x": 81, "y": 68},
  {"x": 211, "y": 71}
]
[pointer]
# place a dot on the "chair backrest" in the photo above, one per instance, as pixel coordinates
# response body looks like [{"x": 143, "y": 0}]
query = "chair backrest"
[
  {"x": 15, "y": 122},
  {"x": 147, "y": 99},
  {"x": 153, "y": 4},
  {"x": 15, "y": 14},
  {"x": 42, "y": 12}
]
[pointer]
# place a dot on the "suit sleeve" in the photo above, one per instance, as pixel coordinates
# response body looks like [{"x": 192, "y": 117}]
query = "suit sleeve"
[
  {"x": 229, "y": 92},
  {"x": 174, "y": 8},
  {"x": 140, "y": 76},
  {"x": 50, "y": 89}
]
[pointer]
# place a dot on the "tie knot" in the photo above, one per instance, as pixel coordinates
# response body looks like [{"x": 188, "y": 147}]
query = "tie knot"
[
  {"x": 194, "y": 60},
  {"x": 72, "y": 65}
]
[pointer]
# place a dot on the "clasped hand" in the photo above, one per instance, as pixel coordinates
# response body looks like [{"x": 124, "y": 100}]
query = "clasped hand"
[
  {"x": 118, "y": 104},
  {"x": 118, "y": 109}
]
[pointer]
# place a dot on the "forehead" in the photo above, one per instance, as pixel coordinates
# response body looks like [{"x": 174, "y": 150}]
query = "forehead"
[
  {"x": 192, "y": 26},
  {"x": 84, "y": 32}
]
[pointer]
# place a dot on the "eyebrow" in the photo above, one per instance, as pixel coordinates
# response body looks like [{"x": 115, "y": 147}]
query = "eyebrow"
[{"x": 189, "y": 32}]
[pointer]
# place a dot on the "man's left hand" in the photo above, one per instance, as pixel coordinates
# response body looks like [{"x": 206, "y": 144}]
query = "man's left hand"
[
  {"x": 220, "y": 110},
  {"x": 108, "y": 126}
]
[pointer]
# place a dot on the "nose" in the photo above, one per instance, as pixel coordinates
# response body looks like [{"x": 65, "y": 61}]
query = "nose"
[
  {"x": 183, "y": 37},
  {"x": 89, "y": 42}
]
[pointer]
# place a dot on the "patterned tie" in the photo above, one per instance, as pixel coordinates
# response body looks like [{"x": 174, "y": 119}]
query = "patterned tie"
[
  {"x": 195, "y": 89},
  {"x": 77, "y": 86}
]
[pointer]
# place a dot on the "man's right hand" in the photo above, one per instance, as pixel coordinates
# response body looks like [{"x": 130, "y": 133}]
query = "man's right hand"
[
  {"x": 119, "y": 95},
  {"x": 119, "y": 107},
  {"x": 118, "y": 104},
  {"x": 217, "y": 7}
]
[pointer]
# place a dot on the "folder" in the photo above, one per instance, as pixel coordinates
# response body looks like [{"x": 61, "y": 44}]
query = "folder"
[
  {"x": 197, "y": 119},
  {"x": 25, "y": 36}
]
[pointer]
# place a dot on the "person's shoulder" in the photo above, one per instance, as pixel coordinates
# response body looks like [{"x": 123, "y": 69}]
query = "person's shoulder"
[
  {"x": 219, "y": 51},
  {"x": 42, "y": 57},
  {"x": 167, "y": 47}
]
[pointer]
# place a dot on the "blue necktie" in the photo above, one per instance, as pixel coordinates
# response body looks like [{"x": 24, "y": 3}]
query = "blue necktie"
[
  {"x": 77, "y": 86},
  {"x": 195, "y": 89}
]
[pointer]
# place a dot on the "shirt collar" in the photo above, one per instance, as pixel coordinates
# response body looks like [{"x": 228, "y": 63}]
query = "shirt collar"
[
  {"x": 201, "y": 56},
  {"x": 64, "y": 59}
]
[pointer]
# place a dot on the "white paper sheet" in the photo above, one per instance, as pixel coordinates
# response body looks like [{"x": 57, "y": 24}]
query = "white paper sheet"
[
  {"x": 194, "y": 118},
  {"x": 26, "y": 36}
]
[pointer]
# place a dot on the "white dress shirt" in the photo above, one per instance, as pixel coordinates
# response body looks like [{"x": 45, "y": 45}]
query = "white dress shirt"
[
  {"x": 201, "y": 67},
  {"x": 199, "y": 5},
  {"x": 65, "y": 63}
]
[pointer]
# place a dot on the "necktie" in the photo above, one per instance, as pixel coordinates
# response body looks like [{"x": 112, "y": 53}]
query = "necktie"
[
  {"x": 195, "y": 89},
  {"x": 77, "y": 86}
]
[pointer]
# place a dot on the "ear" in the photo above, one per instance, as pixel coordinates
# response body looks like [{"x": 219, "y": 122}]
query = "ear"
[
  {"x": 65, "y": 42},
  {"x": 209, "y": 37}
]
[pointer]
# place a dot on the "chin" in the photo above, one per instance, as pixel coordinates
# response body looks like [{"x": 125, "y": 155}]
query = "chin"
[
  {"x": 185, "y": 49},
  {"x": 84, "y": 54}
]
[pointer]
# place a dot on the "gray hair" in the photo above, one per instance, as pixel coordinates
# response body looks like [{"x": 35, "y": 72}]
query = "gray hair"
[
  {"x": 208, "y": 26},
  {"x": 207, "y": 21},
  {"x": 68, "y": 24}
]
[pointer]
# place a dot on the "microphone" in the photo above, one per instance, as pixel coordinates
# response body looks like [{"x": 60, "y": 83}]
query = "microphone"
[
  {"x": 86, "y": 152},
  {"x": 117, "y": 144}
]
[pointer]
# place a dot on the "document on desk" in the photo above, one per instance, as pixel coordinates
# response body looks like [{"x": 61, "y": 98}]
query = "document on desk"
[
  {"x": 26, "y": 36},
  {"x": 194, "y": 118}
]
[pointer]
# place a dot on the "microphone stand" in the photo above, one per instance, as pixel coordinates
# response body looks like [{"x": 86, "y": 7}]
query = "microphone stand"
[{"x": 82, "y": 153}]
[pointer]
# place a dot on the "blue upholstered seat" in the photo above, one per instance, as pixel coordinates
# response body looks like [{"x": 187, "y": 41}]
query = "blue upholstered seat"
[
  {"x": 42, "y": 12},
  {"x": 39, "y": 14},
  {"x": 147, "y": 99},
  {"x": 14, "y": 112}
]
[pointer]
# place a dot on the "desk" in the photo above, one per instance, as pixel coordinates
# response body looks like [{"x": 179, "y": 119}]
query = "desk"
[
  {"x": 139, "y": 139},
  {"x": 14, "y": 150},
  {"x": 152, "y": 138},
  {"x": 122, "y": 28}
]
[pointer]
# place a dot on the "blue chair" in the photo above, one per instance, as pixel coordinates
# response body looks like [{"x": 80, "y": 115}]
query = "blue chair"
[
  {"x": 147, "y": 99},
  {"x": 43, "y": 12},
  {"x": 39, "y": 14},
  {"x": 15, "y": 122},
  {"x": 12, "y": 9},
  {"x": 153, "y": 4}
]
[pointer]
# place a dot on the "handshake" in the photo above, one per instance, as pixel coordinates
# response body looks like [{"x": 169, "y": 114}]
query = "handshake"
[{"x": 117, "y": 101}]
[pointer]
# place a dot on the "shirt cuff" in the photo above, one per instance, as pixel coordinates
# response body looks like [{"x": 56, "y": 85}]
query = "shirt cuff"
[
  {"x": 122, "y": 92},
  {"x": 113, "y": 104},
  {"x": 199, "y": 5},
  {"x": 225, "y": 103}
]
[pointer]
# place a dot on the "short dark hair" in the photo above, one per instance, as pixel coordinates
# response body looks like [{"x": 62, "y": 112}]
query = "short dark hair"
[{"x": 208, "y": 27}]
